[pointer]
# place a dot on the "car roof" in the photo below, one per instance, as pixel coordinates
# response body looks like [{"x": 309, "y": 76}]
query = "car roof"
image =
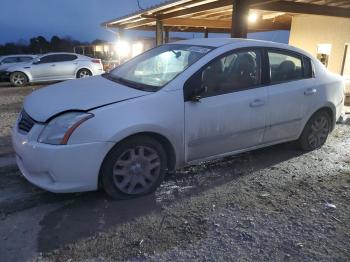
[
  {"x": 58, "y": 53},
  {"x": 5, "y": 56},
  {"x": 218, "y": 42}
]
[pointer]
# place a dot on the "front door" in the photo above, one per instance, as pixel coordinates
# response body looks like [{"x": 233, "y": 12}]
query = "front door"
[
  {"x": 230, "y": 114},
  {"x": 44, "y": 69}
]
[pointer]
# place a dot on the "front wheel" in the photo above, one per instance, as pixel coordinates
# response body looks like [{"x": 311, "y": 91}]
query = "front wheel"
[
  {"x": 316, "y": 131},
  {"x": 18, "y": 79},
  {"x": 134, "y": 168}
]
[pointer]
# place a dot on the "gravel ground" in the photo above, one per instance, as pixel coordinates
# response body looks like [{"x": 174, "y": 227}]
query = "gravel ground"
[
  {"x": 271, "y": 204},
  {"x": 11, "y": 100}
]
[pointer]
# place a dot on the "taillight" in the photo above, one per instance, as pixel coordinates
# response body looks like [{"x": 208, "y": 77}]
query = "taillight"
[{"x": 97, "y": 61}]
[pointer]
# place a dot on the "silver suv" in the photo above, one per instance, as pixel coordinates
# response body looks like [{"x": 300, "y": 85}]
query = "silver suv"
[{"x": 54, "y": 67}]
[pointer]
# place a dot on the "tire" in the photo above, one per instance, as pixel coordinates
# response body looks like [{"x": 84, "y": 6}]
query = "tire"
[
  {"x": 18, "y": 79},
  {"x": 82, "y": 73},
  {"x": 133, "y": 168},
  {"x": 316, "y": 131}
]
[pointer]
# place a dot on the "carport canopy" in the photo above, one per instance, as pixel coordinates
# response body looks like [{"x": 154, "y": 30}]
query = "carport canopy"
[{"x": 236, "y": 17}]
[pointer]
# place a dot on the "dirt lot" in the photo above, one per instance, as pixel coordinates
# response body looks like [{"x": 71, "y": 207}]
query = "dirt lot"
[
  {"x": 11, "y": 99},
  {"x": 271, "y": 204}
]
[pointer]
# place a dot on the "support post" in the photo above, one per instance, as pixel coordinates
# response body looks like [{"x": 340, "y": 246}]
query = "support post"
[
  {"x": 159, "y": 33},
  {"x": 120, "y": 34},
  {"x": 240, "y": 12},
  {"x": 206, "y": 33},
  {"x": 166, "y": 37}
]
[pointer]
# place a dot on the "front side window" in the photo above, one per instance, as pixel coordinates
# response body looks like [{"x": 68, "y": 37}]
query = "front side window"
[
  {"x": 25, "y": 58},
  {"x": 65, "y": 58},
  {"x": 231, "y": 73},
  {"x": 284, "y": 67},
  {"x": 47, "y": 59},
  {"x": 153, "y": 69}
]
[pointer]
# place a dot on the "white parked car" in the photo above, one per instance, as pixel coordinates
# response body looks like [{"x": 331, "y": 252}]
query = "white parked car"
[
  {"x": 54, "y": 67},
  {"x": 11, "y": 60},
  {"x": 172, "y": 106}
]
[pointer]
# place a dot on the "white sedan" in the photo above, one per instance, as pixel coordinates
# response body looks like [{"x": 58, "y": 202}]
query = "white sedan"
[{"x": 175, "y": 105}]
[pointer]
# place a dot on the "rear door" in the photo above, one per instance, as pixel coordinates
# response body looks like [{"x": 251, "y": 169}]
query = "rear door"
[
  {"x": 292, "y": 94},
  {"x": 231, "y": 113}
]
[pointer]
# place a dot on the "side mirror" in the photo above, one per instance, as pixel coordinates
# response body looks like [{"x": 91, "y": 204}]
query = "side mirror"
[
  {"x": 36, "y": 61},
  {"x": 197, "y": 92}
]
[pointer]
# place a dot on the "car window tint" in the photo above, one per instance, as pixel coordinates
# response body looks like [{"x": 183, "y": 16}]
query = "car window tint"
[
  {"x": 308, "y": 68},
  {"x": 10, "y": 60},
  {"x": 284, "y": 67},
  {"x": 25, "y": 58},
  {"x": 47, "y": 59},
  {"x": 234, "y": 72},
  {"x": 65, "y": 57}
]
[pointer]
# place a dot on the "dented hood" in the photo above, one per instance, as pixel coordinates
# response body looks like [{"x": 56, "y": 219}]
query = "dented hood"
[{"x": 81, "y": 94}]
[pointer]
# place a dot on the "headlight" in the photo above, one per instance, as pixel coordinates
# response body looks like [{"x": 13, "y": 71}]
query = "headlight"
[{"x": 59, "y": 129}]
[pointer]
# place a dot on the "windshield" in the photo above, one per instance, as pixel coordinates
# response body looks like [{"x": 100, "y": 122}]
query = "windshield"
[{"x": 154, "y": 69}]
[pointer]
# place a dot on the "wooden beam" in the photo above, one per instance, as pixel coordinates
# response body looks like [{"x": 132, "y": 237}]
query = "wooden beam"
[
  {"x": 196, "y": 9},
  {"x": 137, "y": 24},
  {"x": 305, "y": 8},
  {"x": 254, "y": 28},
  {"x": 193, "y": 22}
]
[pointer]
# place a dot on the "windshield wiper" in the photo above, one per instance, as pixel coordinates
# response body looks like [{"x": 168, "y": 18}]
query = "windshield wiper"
[{"x": 129, "y": 83}]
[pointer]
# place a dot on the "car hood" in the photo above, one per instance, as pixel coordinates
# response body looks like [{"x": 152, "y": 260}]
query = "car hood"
[{"x": 80, "y": 94}]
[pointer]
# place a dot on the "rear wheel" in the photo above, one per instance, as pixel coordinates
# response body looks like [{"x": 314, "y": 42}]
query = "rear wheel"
[
  {"x": 18, "y": 79},
  {"x": 134, "y": 168},
  {"x": 316, "y": 131},
  {"x": 82, "y": 73}
]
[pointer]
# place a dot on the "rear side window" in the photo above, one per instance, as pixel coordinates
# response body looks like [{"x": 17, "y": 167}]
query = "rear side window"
[
  {"x": 308, "y": 68},
  {"x": 285, "y": 67}
]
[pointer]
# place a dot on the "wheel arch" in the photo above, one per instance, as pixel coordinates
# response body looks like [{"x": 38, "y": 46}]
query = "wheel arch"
[
  {"x": 81, "y": 68},
  {"x": 23, "y": 72},
  {"x": 331, "y": 111},
  {"x": 164, "y": 141}
]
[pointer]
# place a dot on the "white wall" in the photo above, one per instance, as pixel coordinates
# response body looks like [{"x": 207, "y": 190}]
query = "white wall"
[{"x": 309, "y": 30}]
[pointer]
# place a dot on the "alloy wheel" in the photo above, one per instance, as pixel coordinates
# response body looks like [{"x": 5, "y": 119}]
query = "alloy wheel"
[
  {"x": 84, "y": 73},
  {"x": 319, "y": 132},
  {"x": 18, "y": 79},
  {"x": 136, "y": 170}
]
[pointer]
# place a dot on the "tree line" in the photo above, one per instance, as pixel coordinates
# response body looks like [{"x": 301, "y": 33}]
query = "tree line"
[{"x": 40, "y": 45}]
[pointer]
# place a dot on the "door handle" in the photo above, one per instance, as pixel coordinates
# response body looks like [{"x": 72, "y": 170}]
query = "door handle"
[
  {"x": 53, "y": 65},
  {"x": 310, "y": 91},
  {"x": 257, "y": 103}
]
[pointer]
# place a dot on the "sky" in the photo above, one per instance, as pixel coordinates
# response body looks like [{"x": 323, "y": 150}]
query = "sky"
[{"x": 78, "y": 19}]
